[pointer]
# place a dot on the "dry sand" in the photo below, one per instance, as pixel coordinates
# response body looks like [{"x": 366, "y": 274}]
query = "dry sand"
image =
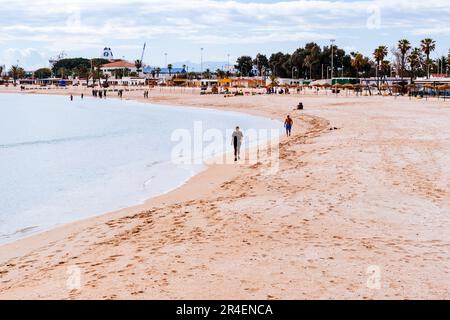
[{"x": 372, "y": 195}]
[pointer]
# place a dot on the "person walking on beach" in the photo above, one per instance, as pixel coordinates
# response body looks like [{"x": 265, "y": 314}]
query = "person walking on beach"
[
  {"x": 71, "y": 97},
  {"x": 288, "y": 124},
  {"x": 238, "y": 136},
  {"x": 82, "y": 96}
]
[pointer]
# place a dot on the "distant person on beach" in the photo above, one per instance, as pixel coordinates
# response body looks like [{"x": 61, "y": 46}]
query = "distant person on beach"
[
  {"x": 288, "y": 124},
  {"x": 238, "y": 136},
  {"x": 82, "y": 96},
  {"x": 71, "y": 97}
]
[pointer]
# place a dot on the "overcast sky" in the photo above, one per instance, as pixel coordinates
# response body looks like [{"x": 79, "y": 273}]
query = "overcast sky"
[{"x": 32, "y": 31}]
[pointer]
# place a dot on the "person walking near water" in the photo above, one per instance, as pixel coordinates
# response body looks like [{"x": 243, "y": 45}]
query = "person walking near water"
[
  {"x": 238, "y": 136},
  {"x": 71, "y": 97},
  {"x": 288, "y": 124}
]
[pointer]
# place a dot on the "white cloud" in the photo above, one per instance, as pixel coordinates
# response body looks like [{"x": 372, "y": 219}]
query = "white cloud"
[
  {"x": 30, "y": 57},
  {"x": 54, "y": 25}
]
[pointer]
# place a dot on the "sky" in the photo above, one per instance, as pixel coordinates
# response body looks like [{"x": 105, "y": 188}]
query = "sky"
[{"x": 33, "y": 31}]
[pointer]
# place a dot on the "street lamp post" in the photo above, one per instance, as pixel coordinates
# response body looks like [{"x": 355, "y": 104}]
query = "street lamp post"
[
  {"x": 124, "y": 70},
  {"x": 201, "y": 58},
  {"x": 332, "y": 57}
]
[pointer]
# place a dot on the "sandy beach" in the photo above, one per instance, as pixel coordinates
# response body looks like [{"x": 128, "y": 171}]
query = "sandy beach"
[{"x": 363, "y": 185}]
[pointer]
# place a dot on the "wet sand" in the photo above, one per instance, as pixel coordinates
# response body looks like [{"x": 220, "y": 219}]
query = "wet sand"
[{"x": 371, "y": 194}]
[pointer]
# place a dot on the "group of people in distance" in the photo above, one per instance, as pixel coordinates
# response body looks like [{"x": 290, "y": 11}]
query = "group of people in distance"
[
  {"x": 238, "y": 137},
  {"x": 72, "y": 97},
  {"x": 99, "y": 93}
]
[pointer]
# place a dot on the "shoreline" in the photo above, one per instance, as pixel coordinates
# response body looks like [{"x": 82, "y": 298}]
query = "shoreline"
[
  {"x": 143, "y": 205},
  {"x": 345, "y": 199},
  {"x": 148, "y": 203}
]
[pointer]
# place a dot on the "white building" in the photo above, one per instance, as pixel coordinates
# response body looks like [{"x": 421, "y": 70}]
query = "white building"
[
  {"x": 286, "y": 81},
  {"x": 110, "y": 68},
  {"x": 126, "y": 81}
]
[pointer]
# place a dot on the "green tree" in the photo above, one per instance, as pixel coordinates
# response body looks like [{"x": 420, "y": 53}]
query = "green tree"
[
  {"x": 404, "y": 46},
  {"x": 207, "y": 74},
  {"x": 415, "y": 60},
  {"x": 360, "y": 63},
  {"x": 138, "y": 64},
  {"x": 67, "y": 67},
  {"x": 245, "y": 65},
  {"x": 442, "y": 64},
  {"x": 43, "y": 73},
  {"x": 170, "y": 67},
  {"x": 379, "y": 54},
  {"x": 16, "y": 72},
  {"x": 261, "y": 63},
  {"x": 428, "y": 45},
  {"x": 281, "y": 65},
  {"x": 298, "y": 58},
  {"x": 220, "y": 73}
]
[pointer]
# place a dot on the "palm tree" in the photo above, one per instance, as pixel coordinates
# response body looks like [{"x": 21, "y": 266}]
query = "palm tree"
[
  {"x": 138, "y": 65},
  {"x": 273, "y": 80},
  {"x": 358, "y": 61},
  {"x": 403, "y": 47},
  {"x": 207, "y": 74},
  {"x": 220, "y": 73},
  {"x": 170, "y": 67},
  {"x": 16, "y": 72},
  {"x": 448, "y": 61},
  {"x": 158, "y": 71},
  {"x": 415, "y": 61},
  {"x": 105, "y": 83},
  {"x": 386, "y": 66},
  {"x": 379, "y": 54},
  {"x": 428, "y": 45}
]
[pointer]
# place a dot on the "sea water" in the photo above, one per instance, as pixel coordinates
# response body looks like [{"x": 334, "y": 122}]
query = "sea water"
[{"x": 62, "y": 160}]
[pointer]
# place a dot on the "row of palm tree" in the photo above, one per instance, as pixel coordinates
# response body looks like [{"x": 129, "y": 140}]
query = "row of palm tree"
[
  {"x": 407, "y": 55},
  {"x": 414, "y": 55}
]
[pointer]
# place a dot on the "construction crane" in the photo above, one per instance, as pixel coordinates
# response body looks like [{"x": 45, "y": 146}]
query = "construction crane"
[{"x": 143, "y": 52}]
